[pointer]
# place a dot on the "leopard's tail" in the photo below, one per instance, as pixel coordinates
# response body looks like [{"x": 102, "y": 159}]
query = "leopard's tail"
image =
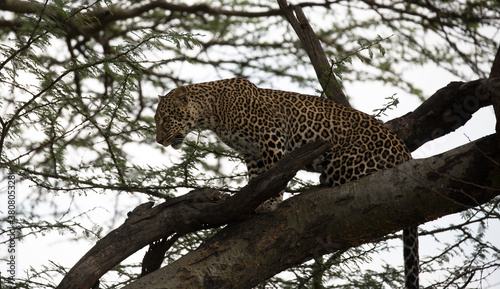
[{"x": 410, "y": 244}]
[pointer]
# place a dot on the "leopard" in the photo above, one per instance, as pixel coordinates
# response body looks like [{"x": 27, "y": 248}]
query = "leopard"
[{"x": 263, "y": 125}]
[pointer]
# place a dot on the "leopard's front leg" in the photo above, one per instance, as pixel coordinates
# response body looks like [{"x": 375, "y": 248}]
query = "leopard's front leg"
[{"x": 271, "y": 151}]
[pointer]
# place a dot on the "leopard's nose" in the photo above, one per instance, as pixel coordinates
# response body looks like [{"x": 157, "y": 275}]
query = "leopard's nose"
[{"x": 159, "y": 140}]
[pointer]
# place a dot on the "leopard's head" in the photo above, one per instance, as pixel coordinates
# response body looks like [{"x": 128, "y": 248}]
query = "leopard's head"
[{"x": 173, "y": 118}]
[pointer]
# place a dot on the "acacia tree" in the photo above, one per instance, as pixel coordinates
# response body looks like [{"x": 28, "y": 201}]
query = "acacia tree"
[{"x": 80, "y": 80}]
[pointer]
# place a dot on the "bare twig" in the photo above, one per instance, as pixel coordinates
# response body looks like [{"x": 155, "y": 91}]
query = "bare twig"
[{"x": 316, "y": 53}]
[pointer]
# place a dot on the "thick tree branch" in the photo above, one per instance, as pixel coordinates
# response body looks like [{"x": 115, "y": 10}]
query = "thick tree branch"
[
  {"x": 495, "y": 67},
  {"x": 449, "y": 108},
  {"x": 445, "y": 111},
  {"x": 331, "y": 219},
  {"x": 317, "y": 55},
  {"x": 194, "y": 211},
  {"x": 495, "y": 73}
]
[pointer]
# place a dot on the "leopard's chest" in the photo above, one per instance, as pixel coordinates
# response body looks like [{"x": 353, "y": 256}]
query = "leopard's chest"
[{"x": 242, "y": 143}]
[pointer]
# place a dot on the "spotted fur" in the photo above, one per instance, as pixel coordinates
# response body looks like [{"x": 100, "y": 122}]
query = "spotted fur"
[{"x": 265, "y": 124}]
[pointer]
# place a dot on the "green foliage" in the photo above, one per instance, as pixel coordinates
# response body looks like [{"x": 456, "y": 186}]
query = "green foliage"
[
  {"x": 341, "y": 62},
  {"x": 392, "y": 103},
  {"x": 79, "y": 81}
]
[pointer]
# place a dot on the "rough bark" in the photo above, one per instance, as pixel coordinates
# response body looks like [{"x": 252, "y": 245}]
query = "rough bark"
[
  {"x": 495, "y": 74},
  {"x": 330, "y": 219}
]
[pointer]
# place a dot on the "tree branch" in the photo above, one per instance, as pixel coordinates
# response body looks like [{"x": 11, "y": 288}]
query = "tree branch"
[
  {"x": 445, "y": 111},
  {"x": 316, "y": 53},
  {"x": 449, "y": 108},
  {"x": 331, "y": 219},
  {"x": 495, "y": 73}
]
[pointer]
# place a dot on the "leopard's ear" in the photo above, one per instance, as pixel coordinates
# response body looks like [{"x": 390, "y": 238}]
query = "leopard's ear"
[{"x": 180, "y": 96}]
